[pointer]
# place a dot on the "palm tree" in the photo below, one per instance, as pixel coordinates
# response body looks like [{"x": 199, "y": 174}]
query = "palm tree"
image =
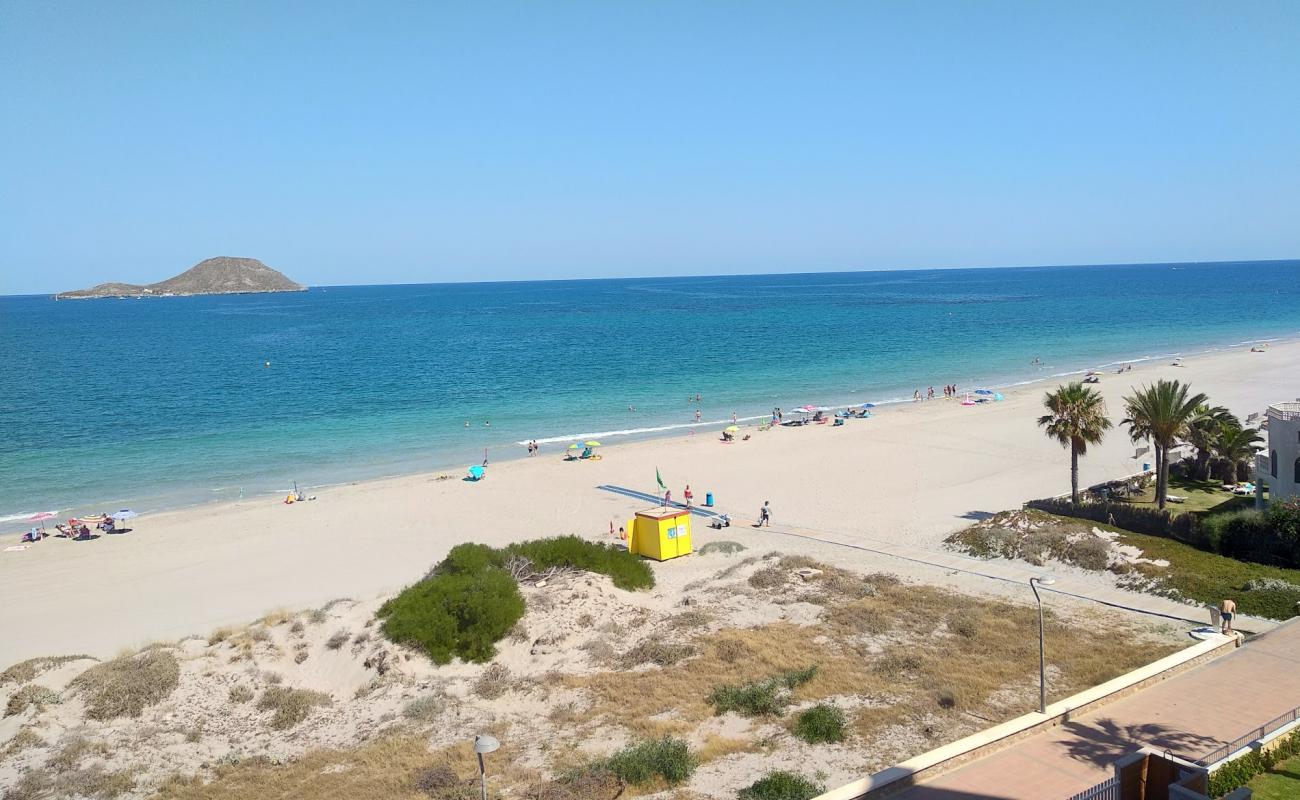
[
  {"x": 1202, "y": 431},
  {"x": 1233, "y": 446},
  {"x": 1077, "y": 419},
  {"x": 1161, "y": 413}
]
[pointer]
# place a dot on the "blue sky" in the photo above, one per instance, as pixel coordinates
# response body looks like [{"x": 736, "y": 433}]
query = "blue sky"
[{"x": 393, "y": 142}]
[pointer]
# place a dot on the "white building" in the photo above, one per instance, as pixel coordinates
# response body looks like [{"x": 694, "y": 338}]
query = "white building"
[{"x": 1279, "y": 466}]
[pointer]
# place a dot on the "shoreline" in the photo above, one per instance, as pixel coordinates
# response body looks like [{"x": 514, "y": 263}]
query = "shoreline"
[
  {"x": 907, "y": 477},
  {"x": 16, "y": 524}
]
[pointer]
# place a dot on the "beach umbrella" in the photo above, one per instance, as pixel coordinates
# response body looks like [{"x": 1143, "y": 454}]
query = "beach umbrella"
[
  {"x": 574, "y": 446},
  {"x": 731, "y": 428},
  {"x": 476, "y": 472},
  {"x": 997, "y": 396},
  {"x": 822, "y": 408},
  {"x": 983, "y": 391},
  {"x": 41, "y": 517},
  {"x": 868, "y": 405},
  {"x": 123, "y": 515},
  {"x": 593, "y": 444}
]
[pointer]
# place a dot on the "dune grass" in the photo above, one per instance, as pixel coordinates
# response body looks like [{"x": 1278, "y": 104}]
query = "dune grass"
[
  {"x": 924, "y": 668},
  {"x": 291, "y": 706},
  {"x": 127, "y": 685},
  {"x": 388, "y": 767},
  {"x": 28, "y": 670}
]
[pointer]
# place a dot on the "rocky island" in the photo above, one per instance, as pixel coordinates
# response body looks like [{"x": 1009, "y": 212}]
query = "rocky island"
[{"x": 221, "y": 275}]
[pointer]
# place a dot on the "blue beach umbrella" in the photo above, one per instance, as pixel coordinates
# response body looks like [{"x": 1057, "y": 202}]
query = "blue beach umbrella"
[
  {"x": 868, "y": 405},
  {"x": 123, "y": 515},
  {"x": 476, "y": 473},
  {"x": 983, "y": 391}
]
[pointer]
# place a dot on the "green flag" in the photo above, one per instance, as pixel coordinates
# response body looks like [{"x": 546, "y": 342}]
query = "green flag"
[{"x": 659, "y": 479}]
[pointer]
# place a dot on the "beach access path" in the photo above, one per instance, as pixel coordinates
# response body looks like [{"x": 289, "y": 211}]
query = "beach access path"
[
  {"x": 908, "y": 477},
  {"x": 1188, "y": 715}
]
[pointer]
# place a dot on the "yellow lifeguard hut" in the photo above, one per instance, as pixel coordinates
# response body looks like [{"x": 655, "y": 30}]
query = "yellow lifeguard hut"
[{"x": 660, "y": 533}]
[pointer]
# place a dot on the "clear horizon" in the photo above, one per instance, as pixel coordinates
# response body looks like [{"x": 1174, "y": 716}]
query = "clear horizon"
[
  {"x": 351, "y": 145},
  {"x": 742, "y": 274}
]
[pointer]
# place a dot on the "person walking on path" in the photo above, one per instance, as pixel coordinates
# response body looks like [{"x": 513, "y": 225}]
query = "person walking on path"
[
  {"x": 1227, "y": 610},
  {"x": 765, "y": 515},
  {"x": 688, "y": 496}
]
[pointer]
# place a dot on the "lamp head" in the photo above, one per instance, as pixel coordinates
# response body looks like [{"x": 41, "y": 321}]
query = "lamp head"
[
  {"x": 485, "y": 744},
  {"x": 1045, "y": 580}
]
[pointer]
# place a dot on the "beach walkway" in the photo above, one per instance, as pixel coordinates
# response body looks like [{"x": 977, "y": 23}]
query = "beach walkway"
[{"x": 1190, "y": 715}]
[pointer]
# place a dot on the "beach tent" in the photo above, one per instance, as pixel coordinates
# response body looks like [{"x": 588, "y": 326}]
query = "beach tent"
[{"x": 476, "y": 473}]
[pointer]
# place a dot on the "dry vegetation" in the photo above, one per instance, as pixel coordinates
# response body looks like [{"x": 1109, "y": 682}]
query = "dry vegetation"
[
  {"x": 291, "y": 706},
  {"x": 127, "y": 685},
  {"x": 393, "y": 768},
  {"x": 596, "y": 693}
]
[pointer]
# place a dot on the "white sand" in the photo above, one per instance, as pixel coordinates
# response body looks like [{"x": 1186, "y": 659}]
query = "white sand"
[{"x": 912, "y": 474}]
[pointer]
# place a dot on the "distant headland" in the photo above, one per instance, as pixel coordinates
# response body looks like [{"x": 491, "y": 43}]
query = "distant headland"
[{"x": 221, "y": 275}]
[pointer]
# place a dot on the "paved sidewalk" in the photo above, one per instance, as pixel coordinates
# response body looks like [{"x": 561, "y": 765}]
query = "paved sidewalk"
[{"x": 1189, "y": 715}]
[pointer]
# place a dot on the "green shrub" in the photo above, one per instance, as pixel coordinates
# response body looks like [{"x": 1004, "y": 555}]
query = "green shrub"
[
  {"x": 821, "y": 723},
  {"x": 765, "y": 698},
  {"x": 626, "y": 569},
  {"x": 669, "y": 758},
  {"x": 469, "y": 601},
  {"x": 125, "y": 686},
  {"x": 1239, "y": 771},
  {"x": 782, "y": 785},
  {"x": 455, "y": 614}
]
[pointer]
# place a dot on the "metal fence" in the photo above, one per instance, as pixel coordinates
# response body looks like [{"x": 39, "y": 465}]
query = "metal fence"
[
  {"x": 1254, "y": 734},
  {"x": 1106, "y": 790}
]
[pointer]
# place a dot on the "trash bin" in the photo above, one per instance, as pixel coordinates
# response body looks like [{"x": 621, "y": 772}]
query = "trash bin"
[{"x": 708, "y": 499}]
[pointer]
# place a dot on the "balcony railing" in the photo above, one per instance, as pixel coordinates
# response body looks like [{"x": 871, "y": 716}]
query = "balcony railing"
[
  {"x": 1263, "y": 467},
  {"x": 1288, "y": 412}
]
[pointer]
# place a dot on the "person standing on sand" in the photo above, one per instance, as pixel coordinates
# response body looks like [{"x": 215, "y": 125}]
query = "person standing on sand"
[
  {"x": 688, "y": 496},
  {"x": 765, "y": 514},
  {"x": 668, "y": 497},
  {"x": 1227, "y": 610}
]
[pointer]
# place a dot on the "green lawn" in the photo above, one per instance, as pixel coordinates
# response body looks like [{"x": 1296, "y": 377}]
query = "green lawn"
[
  {"x": 1209, "y": 577},
  {"x": 1282, "y": 782},
  {"x": 1203, "y": 497}
]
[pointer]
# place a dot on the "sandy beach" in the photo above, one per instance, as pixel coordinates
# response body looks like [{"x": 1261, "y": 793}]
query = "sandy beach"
[{"x": 914, "y": 473}]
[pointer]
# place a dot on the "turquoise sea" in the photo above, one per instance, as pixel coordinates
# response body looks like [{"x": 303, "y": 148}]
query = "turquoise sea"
[{"x": 168, "y": 401}]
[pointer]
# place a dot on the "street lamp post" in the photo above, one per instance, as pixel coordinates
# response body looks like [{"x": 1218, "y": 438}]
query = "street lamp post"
[
  {"x": 484, "y": 744},
  {"x": 1043, "y": 658}
]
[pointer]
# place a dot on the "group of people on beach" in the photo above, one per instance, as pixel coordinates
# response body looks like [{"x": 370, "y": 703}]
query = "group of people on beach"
[
  {"x": 76, "y": 529},
  {"x": 533, "y": 447},
  {"x": 948, "y": 391}
]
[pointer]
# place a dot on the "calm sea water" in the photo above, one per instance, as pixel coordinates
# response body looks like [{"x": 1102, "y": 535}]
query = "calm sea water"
[{"x": 159, "y": 402}]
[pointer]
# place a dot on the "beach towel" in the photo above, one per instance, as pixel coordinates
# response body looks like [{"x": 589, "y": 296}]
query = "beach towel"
[{"x": 13, "y": 547}]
